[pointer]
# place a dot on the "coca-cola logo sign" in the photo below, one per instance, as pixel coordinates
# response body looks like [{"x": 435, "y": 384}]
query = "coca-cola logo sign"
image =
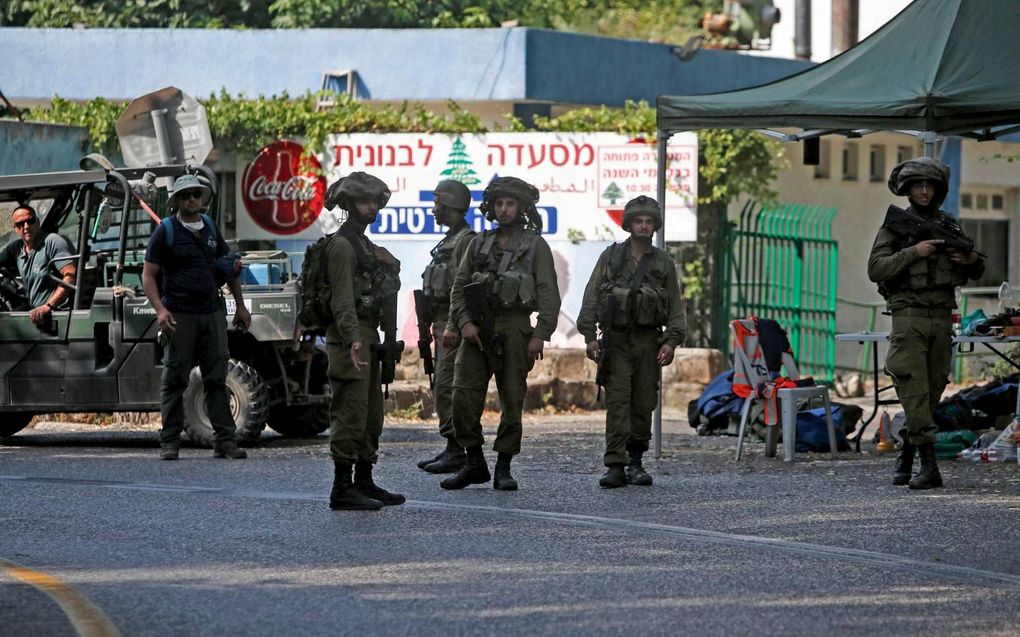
[{"x": 283, "y": 191}]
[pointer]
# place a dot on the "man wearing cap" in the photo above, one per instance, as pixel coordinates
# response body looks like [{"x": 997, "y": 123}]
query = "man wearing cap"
[
  {"x": 515, "y": 268},
  {"x": 180, "y": 282},
  {"x": 362, "y": 275},
  {"x": 647, "y": 326},
  {"x": 32, "y": 254},
  {"x": 452, "y": 200},
  {"x": 918, "y": 279}
]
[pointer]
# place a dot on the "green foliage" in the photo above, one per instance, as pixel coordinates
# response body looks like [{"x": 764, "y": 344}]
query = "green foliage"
[
  {"x": 98, "y": 116},
  {"x": 659, "y": 20},
  {"x": 137, "y": 13},
  {"x": 735, "y": 162}
]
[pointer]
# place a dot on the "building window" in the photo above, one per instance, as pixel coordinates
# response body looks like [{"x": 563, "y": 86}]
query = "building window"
[
  {"x": 982, "y": 201},
  {"x": 823, "y": 170},
  {"x": 966, "y": 201},
  {"x": 997, "y": 202},
  {"x": 876, "y": 163},
  {"x": 903, "y": 153},
  {"x": 850, "y": 162},
  {"x": 991, "y": 236}
]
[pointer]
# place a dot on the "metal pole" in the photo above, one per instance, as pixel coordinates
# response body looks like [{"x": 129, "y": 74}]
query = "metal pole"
[
  {"x": 802, "y": 35},
  {"x": 929, "y": 138},
  {"x": 159, "y": 123},
  {"x": 660, "y": 241}
]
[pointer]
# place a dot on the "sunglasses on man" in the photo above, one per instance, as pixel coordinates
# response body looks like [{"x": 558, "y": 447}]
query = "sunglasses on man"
[
  {"x": 191, "y": 194},
  {"x": 25, "y": 222}
]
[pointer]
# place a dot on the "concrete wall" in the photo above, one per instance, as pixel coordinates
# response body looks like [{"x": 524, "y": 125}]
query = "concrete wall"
[
  {"x": 516, "y": 64},
  {"x": 28, "y": 148}
]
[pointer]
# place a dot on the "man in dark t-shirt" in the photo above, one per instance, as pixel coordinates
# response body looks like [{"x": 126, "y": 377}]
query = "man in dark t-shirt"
[{"x": 180, "y": 282}]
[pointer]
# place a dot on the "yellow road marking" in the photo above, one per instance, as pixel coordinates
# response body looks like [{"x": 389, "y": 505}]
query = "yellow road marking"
[{"x": 87, "y": 619}]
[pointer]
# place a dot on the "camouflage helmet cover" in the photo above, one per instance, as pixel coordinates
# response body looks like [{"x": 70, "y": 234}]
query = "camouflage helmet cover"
[
  {"x": 642, "y": 205},
  {"x": 920, "y": 169},
  {"x": 357, "y": 186},
  {"x": 453, "y": 195},
  {"x": 525, "y": 194}
]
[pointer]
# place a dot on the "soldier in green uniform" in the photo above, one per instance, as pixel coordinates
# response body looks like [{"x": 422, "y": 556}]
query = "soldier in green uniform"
[
  {"x": 643, "y": 283},
  {"x": 361, "y": 276},
  {"x": 514, "y": 265},
  {"x": 452, "y": 200},
  {"x": 918, "y": 280}
]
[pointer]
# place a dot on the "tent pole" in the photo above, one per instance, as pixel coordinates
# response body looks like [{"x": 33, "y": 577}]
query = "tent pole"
[
  {"x": 662, "y": 139},
  {"x": 929, "y": 137}
]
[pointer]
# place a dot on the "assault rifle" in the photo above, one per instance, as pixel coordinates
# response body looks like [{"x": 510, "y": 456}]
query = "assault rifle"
[
  {"x": 422, "y": 310},
  {"x": 914, "y": 227},
  {"x": 606, "y": 330},
  {"x": 390, "y": 349},
  {"x": 480, "y": 312}
]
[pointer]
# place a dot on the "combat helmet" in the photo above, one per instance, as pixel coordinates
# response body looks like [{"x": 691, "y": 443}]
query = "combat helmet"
[
  {"x": 525, "y": 194},
  {"x": 920, "y": 169},
  {"x": 453, "y": 195},
  {"x": 357, "y": 186},
  {"x": 642, "y": 205}
]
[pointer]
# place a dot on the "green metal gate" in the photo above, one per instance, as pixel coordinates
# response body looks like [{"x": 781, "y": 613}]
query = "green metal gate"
[{"x": 782, "y": 264}]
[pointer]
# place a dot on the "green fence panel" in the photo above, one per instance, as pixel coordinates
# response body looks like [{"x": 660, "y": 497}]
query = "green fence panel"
[{"x": 782, "y": 264}]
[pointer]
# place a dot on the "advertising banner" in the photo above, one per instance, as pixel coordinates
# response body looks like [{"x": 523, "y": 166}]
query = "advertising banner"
[{"x": 584, "y": 181}]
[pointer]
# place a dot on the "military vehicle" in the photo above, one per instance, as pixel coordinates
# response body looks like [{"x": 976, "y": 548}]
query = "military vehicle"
[{"x": 102, "y": 353}]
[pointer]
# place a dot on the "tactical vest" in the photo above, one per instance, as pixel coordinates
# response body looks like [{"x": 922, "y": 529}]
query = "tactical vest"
[
  {"x": 641, "y": 299},
  {"x": 934, "y": 272},
  {"x": 437, "y": 280},
  {"x": 372, "y": 281},
  {"x": 508, "y": 273}
]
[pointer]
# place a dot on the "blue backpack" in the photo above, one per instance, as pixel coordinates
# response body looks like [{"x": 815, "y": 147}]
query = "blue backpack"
[
  {"x": 225, "y": 268},
  {"x": 711, "y": 411}
]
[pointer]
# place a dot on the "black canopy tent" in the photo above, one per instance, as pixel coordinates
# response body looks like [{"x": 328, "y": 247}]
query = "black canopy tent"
[{"x": 940, "y": 67}]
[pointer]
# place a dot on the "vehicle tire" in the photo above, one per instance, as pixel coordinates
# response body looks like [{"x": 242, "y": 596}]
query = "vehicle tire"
[
  {"x": 249, "y": 404},
  {"x": 305, "y": 421},
  {"x": 13, "y": 422},
  {"x": 299, "y": 421}
]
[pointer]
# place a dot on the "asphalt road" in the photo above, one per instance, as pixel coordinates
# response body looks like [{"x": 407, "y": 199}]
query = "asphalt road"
[{"x": 117, "y": 541}]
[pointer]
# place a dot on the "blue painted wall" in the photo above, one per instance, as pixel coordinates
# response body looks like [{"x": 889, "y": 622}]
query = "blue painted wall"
[
  {"x": 29, "y": 148},
  {"x": 416, "y": 64}
]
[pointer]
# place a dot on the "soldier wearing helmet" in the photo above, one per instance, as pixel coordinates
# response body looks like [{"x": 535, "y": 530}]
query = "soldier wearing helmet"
[
  {"x": 918, "y": 277},
  {"x": 648, "y": 323},
  {"x": 514, "y": 266},
  {"x": 361, "y": 276},
  {"x": 452, "y": 200}
]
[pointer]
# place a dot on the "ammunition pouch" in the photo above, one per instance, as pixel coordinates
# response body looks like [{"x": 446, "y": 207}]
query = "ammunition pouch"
[
  {"x": 649, "y": 307},
  {"x": 437, "y": 280},
  {"x": 515, "y": 289}
]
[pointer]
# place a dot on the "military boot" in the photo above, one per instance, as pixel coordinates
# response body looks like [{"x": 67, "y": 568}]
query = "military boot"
[
  {"x": 427, "y": 461},
  {"x": 636, "y": 473},
  {"x": 170, "y": 450},
  {"x": 474, "y": 471},
  {"x": 228, "y": 449},
  {"x": 614, "y": 477},
  {"x": 450, "y": 461},
  {"x": 904, "y": 463},
  {"x": 343, "y": 496},
  {"x": 503, "y": 481},
  {"x": 928, "y": 477},
  {"x": 367, "y": 487}
]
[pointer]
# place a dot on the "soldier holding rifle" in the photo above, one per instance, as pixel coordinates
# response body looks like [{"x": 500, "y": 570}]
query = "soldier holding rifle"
[
  {"x": 432, "y": 305},
  {"x": 633, "y": 297},
  {"x": 506, "y": 274},
  {"x": 919, "y": 257},
  {"x": 364, "y": 282}
]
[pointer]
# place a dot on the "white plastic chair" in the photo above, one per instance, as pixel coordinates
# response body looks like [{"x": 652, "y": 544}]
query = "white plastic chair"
[{"x": 789, "y": 398}]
